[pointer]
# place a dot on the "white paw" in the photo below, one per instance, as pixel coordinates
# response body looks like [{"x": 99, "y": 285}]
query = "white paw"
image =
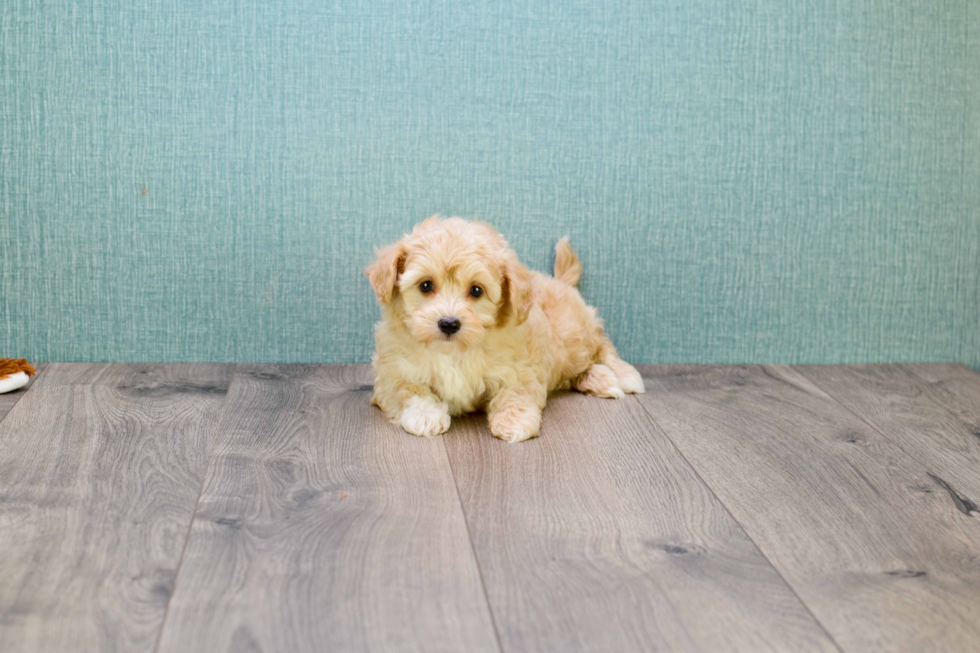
[
  {"x": 600, "y": 381},
  {"x": 632, "y": 383},
  {"x": 13, "y": 381},
  {"x": 614, "y": 392},
  {"x": 425, "y": 417}
]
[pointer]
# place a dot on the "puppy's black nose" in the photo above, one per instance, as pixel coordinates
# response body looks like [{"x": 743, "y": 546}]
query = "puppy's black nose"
[{"x": 449, "y": 325}]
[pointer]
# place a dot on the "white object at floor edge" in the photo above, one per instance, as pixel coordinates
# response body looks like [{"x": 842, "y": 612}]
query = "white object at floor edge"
[{"x": 13, "y": 382}]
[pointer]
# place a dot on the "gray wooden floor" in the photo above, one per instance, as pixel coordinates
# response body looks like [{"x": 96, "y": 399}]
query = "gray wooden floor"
[{"x": 212, "y": 508}]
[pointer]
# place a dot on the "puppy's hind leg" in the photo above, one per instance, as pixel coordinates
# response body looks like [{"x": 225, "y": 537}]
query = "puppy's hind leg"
[
  {"x": 599, "y": 380},
  {"x": 629, "y": 379}
]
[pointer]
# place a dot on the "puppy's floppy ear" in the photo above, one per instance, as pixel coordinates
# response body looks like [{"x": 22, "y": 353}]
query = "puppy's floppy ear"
[
  {"x": 516, "y": 289},
  {"x": 383, "y": 273}
]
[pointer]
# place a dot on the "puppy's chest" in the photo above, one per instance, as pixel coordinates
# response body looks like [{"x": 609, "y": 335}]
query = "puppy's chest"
[{"x": 459, "y": 380}]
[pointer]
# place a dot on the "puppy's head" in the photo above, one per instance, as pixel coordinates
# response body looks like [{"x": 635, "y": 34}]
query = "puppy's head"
[{"x": 451, "y": 281}]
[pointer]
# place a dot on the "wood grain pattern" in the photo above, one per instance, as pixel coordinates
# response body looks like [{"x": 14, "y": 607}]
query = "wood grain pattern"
[
  {"x": 599, "y": 537},
  {"x": 100, "y": 467},
  {"x": 955, "y": 387},
  {"x": 8, "y": 399},
  {"x": 323, "y": 527},
  {"x": 909, "y": 413},
  {"x": 869, "y": 540}
]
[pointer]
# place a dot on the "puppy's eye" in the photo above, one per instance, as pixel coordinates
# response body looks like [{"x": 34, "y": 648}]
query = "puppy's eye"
[
  {"x": 425, "y": 287},
  {"x": 476, "y": 291}
]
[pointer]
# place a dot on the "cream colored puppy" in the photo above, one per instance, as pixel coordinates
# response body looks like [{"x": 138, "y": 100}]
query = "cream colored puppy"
[{"x": 466, "y": 327}]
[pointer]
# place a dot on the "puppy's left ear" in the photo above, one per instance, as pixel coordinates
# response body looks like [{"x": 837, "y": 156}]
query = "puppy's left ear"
[
  {"x": 517, "y": 288},
  {"x": 383, "y": 273}
]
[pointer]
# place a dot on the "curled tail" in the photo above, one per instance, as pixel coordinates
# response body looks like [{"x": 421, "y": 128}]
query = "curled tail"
[{"x": 567, "y": 266}]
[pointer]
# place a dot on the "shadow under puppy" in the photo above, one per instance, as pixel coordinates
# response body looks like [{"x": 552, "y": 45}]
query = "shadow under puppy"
[{"x": 466, "y": 327}]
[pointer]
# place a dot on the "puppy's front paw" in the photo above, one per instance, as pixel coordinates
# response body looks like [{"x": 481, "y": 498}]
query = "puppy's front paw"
[
  {"x": 425, "y": 417},
  {"x": 516, "y": 423}
]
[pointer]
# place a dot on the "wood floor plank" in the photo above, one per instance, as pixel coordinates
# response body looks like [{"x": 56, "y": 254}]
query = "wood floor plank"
[
  {"x": 598, "y": 536},
  {"x": 8, "y": 399},
  {"x": 909, "y": 413},
  {"x": 870, "y": 541},
  {"x": 100, "y": 468},
  {"x": 323, "y": 527},
  {"x": 954, "y": 386}
]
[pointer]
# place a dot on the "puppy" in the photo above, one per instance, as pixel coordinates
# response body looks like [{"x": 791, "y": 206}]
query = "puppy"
[{"x": 466, "y": 327}]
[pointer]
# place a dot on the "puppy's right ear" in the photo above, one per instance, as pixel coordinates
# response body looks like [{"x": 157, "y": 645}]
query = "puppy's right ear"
[
  {"x": 383, "y": 273},
  {"x": 517, "y": 288}
]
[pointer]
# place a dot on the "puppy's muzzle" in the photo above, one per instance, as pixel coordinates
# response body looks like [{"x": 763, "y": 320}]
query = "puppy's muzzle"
[{"x": 449, "y": 325}]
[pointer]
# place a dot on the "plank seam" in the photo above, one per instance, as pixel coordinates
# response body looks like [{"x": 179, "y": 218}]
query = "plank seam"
[
  {"x": 197, "y": 503},
  {"x": 469, "y": 536},
  {"x": 710, "y": 489}
]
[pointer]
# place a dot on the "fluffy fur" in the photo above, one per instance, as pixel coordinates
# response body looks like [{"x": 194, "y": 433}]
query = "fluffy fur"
[
  {"x": 525, "y": 335},
  {"x": 10, "y": 366}
]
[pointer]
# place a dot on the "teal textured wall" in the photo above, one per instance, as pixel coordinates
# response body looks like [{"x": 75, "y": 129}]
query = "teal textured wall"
[{"x": 745, "y": 182}]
